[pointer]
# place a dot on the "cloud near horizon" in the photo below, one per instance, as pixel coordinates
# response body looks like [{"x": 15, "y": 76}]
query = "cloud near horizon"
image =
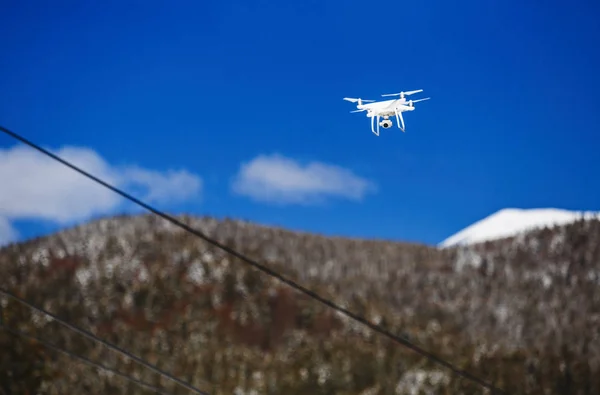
[
  {"x": 281, "y": 180},
  {"x": 35, "y": 187}
]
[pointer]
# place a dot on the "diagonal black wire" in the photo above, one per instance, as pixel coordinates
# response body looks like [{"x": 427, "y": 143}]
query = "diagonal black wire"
[
  {"x": 263, "y": 268},
  {"x": 75, "y": 356},
  {"x": 83, "y": 359},
  {"x": 95, "y": 338}
]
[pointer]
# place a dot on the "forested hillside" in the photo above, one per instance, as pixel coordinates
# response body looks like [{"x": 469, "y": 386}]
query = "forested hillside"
[{"x": 523, "y": 313}]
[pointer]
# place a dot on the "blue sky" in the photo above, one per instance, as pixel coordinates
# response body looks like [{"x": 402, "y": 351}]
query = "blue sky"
[{"x": 206, "y": 87}]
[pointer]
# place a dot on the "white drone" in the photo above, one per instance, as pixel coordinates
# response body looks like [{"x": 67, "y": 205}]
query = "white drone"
[{"x": 387, "y": 108}]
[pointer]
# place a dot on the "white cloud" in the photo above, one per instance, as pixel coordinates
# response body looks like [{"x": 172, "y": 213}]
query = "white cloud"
[
  {"x": 33, "y": 186},
  {"x": 164, "y": 187},
  {"x": 7, "y": 232},
  {"x": 37, "y": 187},
  {"x": 276, "y": 179}
]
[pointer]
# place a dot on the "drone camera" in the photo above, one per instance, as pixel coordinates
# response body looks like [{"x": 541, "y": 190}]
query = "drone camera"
[{"x": 386, "y": 124}]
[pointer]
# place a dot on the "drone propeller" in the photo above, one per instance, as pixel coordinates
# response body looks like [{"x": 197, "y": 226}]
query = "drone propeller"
[
  {"x": 411, "y": 102},
  {"x": 361, "y": 110},
  {"x": 353, "y": 100},
  {"x": 402, "y": 94}
]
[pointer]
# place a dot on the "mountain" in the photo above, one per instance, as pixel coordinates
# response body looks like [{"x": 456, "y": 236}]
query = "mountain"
[
  {"x": 511, "y": 222},
  {"x": 520, "y": 312}
]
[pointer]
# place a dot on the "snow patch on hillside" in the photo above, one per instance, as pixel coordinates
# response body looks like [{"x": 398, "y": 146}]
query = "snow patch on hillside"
[{"x": 511, "y": 222}]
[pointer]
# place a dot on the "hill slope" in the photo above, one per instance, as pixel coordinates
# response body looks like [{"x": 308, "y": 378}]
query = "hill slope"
[{"x": 522, "y": 312}]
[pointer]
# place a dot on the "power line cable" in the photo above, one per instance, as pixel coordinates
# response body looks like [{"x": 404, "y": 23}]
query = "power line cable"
[
  {"x": 95, "y": 338},
  {"x": 262, "y": 268},
  {"x": 83, "y": 359}
]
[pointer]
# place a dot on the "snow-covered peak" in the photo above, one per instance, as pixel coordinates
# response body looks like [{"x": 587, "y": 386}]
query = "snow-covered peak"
[{"x": 511, "y": 221}]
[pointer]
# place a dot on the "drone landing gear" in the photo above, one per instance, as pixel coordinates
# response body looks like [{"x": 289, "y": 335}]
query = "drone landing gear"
[
  {"x": 373, "y": 125},
  {"x": 398, "y": 119},
  {"x": 386, "y": 123}
]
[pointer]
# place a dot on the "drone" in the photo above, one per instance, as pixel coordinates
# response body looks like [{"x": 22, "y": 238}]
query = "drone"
[{"x": 387, "y": 108}]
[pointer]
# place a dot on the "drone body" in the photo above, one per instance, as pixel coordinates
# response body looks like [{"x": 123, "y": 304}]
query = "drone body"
[{"x": 386, "y": 109}]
